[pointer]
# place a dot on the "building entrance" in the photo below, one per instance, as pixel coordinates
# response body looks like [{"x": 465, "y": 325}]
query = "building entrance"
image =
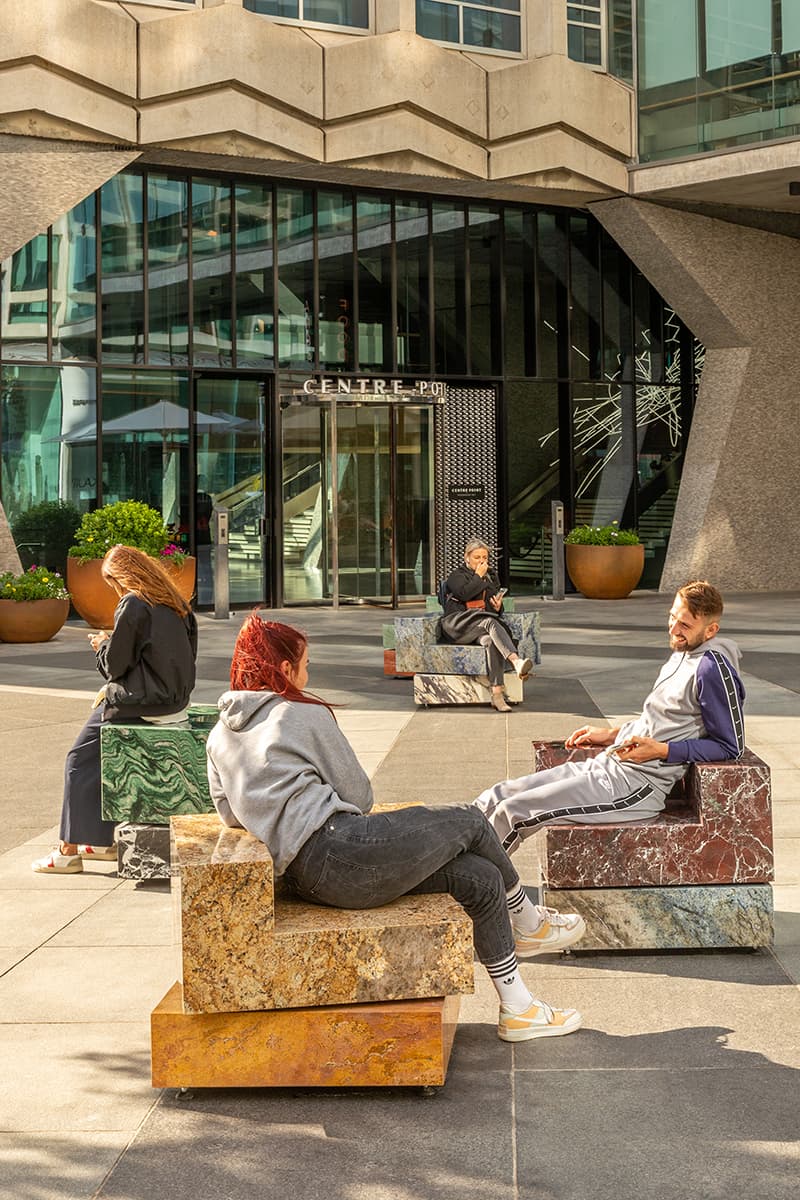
[{"x": 358, "y": 500}]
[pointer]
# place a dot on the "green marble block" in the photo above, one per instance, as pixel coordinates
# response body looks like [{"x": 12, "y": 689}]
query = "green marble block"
[
  {"x": 387, "y": 635},
  {"x": 719, "y": 916},
  {"x": 150, "y": 772}
]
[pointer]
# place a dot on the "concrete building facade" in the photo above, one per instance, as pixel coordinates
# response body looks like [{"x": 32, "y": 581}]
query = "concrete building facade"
[{"x": 374, "y": 275}]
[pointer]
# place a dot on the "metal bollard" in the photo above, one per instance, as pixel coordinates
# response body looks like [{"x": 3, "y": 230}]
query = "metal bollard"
[
  {"x": 222, "y": 591},
  {"x": 557, "y": 542}
]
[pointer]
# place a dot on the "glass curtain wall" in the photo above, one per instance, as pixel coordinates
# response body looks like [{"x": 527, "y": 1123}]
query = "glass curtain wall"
[
  {"x": 607, "y": 431},
  {"x": 155, "y": 281},
  {"x": 716, "y": 73}
]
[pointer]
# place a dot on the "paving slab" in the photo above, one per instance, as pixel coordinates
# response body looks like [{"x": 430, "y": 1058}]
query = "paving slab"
[
  {"x": 60, "y": 1166},
  {"x": 96, "y": 1073},
  {"x": 667, "y": 1133},
  {"x": 118, "y": 984}
]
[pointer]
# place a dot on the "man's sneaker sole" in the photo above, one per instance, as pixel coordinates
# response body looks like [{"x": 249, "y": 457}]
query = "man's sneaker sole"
[
  {"x": 529, "y": 1031},
  {"x": 528, "y": 947}
]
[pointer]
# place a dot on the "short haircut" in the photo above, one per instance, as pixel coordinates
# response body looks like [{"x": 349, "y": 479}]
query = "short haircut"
[
  {"x": 702, "y": 599},
  {"x": 475, "y": 544}
]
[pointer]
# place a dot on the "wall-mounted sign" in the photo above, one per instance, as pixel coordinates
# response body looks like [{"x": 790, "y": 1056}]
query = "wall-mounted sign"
[
  {"x": 466, "y": 491},
  {"x": 372, "y": 388}
]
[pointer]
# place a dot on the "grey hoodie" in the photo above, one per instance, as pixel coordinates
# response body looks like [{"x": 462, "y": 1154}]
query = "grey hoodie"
[
  {"x": 696, "y": 706},
  {"x": 279, "y": 769}
]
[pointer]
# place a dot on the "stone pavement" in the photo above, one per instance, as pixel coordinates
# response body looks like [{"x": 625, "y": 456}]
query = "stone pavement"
[{"x": 682, "y": 1084}]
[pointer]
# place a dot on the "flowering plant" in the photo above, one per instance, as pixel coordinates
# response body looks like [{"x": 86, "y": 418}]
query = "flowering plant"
[
  {"x": 173, "y": 555},
  {"x": 126, "y": 523},
  {"x": 601, "y": 535},
  {"x": 37, "y": 583}
]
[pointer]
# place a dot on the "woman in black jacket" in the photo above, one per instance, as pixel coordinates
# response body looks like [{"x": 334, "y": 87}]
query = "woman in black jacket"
[
  {"x": 148, "y": 663},
  {"x": 472, "y": 616}
]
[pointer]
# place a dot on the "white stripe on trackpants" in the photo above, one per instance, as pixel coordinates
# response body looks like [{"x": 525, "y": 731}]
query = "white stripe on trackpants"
[{"x": 592, "y": 791}]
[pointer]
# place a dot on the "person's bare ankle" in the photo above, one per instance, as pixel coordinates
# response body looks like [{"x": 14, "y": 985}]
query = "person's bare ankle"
[{"x": 68, "y": 848}]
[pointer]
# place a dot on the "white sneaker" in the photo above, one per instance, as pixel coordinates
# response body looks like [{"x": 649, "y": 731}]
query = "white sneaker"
[
  {"x": 56, "y": 863},
  {"x": 540, "y": 1020},
  {"x": 523, "y": 667},
  {"x": 556, "y": 932},
  {"x": 100, "y": 853}
]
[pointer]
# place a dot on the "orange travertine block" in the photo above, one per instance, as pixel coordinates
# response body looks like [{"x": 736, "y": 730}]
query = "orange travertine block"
[
  {"x": 391, "y": 1044},
  {"x": 242, "y": 953}
]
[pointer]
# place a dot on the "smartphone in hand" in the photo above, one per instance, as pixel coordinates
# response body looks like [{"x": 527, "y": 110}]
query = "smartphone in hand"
[{"x": 501, "y": 592}]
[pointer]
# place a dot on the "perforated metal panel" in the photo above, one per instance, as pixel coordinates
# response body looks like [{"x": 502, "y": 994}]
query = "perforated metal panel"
[{"x": 466, "y": 458}]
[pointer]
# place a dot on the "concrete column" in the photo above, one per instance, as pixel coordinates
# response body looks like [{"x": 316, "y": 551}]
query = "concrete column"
[
  {"x": 395, "y": 14},
  {"x": 40, "y": 179},
  {"x": 737, "y": 520}
]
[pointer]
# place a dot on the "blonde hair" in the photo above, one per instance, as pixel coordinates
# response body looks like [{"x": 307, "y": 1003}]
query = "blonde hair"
[{"x": 136, "y": 572}]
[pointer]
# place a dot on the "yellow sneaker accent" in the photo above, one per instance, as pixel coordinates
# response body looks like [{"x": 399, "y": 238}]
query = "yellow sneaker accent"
[
  {"x": 556, "y": 932},
  {"x": 540, "y": 1020}
]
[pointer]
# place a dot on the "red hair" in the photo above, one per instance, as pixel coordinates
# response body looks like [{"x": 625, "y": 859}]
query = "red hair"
[{"x": 261, "y": 647}]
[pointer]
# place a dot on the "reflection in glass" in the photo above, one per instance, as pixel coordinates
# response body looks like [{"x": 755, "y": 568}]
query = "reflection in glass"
[
  {"x": 353, "y": 13},
  {"x": 121, "y": 242},
  {"x": 374, "y": 223},
  {"x": 437, "y": 21},
  {"x": 484, "y": 274},
  {"x": 23, "y": 301},
  {"x": 305, "y": 501},
  {"x": 364, "y": 528},
  {"x": 551, "y": 278},
  {"x": 335, "y": 251},
  {"x": 211, "y": 273},
  {"x": 532, "y": 437},
  {"x": 413, "y": 305},
  {"x": 585, "y": 298},
  {"x": 520, "y": 322},
  {"x": 602, "y": 455},
  {"x": 168, "y": 270},
  {"x": 737, "y": 30},
  {"x": 145, "y": 441},
  {"x": 295, "y": 213},
  {"x": 617, "y": 349},
  {"x": 449, "y": 305},
  {"x": 413, "y": 515},
  {"x": 74, "y": 282},
  {"x": 492, "y": 30},
  {"x": 229, "y": 420},
  {"x": 255, "y": 334},
  {"x": 48, "y": 417}
]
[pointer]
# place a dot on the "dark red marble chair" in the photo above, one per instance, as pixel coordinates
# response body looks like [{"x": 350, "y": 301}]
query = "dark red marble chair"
[{"x": 716, "y": 828}]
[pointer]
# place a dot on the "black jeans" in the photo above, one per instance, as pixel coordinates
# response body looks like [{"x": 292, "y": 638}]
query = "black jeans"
[{"x": 357, "y": 861}]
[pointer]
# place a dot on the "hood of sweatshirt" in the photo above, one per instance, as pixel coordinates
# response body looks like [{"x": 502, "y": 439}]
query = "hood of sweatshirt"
[
  {"x": 722, "y": 645},
  {"x": 237, "y": 709}
]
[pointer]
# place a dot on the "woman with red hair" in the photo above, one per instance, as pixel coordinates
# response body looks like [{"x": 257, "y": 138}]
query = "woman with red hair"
[
  {"x": 148, "y": 664},
  {"x": 279, "y": 766}
]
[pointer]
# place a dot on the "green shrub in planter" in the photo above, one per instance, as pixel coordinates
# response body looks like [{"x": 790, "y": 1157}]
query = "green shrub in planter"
[
  {"x": 601, "y": 535},
  {"x": 45, "y": 533},
  {"x": 126, "y": 523}
]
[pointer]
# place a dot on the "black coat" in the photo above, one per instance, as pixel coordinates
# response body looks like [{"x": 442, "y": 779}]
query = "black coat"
[
  {"x": 467, "y": 625},
  {"x": 149, "y": 660}
]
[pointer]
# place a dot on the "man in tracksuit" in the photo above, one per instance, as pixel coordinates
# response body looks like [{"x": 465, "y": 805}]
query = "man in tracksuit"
[{"x": 693, "y": 714}]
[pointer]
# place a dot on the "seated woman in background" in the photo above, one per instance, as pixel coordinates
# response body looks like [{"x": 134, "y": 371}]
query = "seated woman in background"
[
  {"x": 148, "y": 662},
  {"x": 279, "y": 767},
  {"x": 472, "y": 616}
]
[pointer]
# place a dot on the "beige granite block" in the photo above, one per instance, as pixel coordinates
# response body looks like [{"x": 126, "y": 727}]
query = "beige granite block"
[
  {"x": 235, "y": 957},
  {"x": 395, "y": 1044}
]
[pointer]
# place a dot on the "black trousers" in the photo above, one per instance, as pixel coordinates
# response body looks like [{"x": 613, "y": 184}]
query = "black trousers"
[{"x": 81, "y": 819}]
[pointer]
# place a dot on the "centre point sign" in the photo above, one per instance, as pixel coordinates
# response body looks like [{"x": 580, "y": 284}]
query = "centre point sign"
[{"x": 374, "y": 388}]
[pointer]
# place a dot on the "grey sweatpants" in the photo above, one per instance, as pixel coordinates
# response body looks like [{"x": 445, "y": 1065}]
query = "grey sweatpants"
[{"x": 593, "y": 791}]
